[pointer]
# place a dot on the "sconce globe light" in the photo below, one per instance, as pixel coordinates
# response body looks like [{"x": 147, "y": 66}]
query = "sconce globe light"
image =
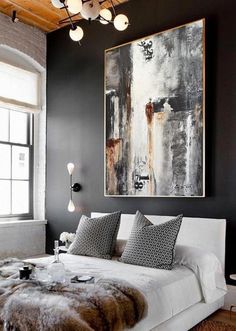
[
  {"x": 71, "y": 206},
  {"x": 90, "y": 10},
  {"x": 76, "y": 187},
  {"x": 70, "y": 168}
]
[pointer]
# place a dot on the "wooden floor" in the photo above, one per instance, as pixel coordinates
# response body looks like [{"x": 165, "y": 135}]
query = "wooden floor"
[{"x": 224, "y": 316}]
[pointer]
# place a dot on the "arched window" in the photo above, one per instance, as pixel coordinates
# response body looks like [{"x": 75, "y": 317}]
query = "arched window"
[{"x": 20, "y": 105}]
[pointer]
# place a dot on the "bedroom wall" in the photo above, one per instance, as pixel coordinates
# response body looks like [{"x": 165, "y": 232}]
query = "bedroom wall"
[{"x": 75, "y": 116}]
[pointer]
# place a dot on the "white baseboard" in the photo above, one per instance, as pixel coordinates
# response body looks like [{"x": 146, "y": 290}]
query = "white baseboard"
[{"x": 230, "y": 298}]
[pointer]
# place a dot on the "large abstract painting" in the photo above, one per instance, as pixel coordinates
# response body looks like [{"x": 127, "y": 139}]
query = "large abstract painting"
[{"x": 154, "y": 115}]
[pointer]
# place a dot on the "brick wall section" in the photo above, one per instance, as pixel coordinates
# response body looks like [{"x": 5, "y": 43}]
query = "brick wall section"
[{"x": 24, "y": 38}]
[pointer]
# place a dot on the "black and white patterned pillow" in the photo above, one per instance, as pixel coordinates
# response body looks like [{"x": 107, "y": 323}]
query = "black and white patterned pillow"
[
  {"x": 152, "y": 245},
  {"x": 96, "y": 236}
]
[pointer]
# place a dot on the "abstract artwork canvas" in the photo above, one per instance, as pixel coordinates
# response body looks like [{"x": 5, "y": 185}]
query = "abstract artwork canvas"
[{"x": 155, "y": 115}]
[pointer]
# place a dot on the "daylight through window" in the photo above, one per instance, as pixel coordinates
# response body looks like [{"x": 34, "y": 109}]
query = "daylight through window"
[
  {"x": 15, "y": 165},
  {"x": 19, "y": 96}
]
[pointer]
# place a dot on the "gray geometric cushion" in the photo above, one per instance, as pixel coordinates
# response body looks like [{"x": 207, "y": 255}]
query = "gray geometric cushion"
[
  {"x": 152, "y": 245},
  {"x": 96, "y": 236}
]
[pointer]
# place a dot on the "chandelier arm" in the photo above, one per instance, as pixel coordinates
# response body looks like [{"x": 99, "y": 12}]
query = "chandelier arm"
[
  {"x": 98, "y": 20},
  {"x": 64, "y": 5},
  {"x": 113, "y": 7},
  {"x": 69, "y": 17},
  {"x": 76, "y": 21},
  {"x": 99, "y": 17},
  {"x": 67, "y": 20},
  {"x": 64, "y": 21}
]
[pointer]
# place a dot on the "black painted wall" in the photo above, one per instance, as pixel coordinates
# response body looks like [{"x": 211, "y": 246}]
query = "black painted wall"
[{"x": 75, "y": 116}]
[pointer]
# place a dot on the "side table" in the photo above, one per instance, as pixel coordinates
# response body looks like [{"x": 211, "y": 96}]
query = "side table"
[{"x": 232, "y": 276}]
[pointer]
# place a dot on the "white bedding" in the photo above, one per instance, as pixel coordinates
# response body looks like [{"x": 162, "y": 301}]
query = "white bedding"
[
  {"x": 168, "y": 292},
  {"x": 205, "y": 266}
]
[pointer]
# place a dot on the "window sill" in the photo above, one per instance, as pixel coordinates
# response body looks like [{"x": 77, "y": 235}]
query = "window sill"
[{"x": 6, "y": 223}]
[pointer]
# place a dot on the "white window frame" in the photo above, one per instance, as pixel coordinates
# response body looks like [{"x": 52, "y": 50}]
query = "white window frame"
[
  {"x": 30, "y": 145},
  {"x": 39, "y": 136}
]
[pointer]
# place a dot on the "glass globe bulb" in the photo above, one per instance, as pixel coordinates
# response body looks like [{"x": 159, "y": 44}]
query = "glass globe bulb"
[
  {"x": 71, "y": 206},
  {"x": 70, "y": 168},
  {"x": 76, "y": 34},
  {"x": 121, "y": 22},
  {"x": 106, "y": 15},
  {"x": 57, "y": 3},
  {"x": 90, "y": 9},
  {"x": 74, "y": 6}
]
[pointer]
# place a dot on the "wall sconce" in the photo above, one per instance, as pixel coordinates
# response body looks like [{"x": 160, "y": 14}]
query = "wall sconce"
[{"x": 76, "y": 187}]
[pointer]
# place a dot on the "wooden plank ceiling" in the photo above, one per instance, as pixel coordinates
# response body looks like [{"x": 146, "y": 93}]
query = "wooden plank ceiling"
[{"x": 40, "y": 13}]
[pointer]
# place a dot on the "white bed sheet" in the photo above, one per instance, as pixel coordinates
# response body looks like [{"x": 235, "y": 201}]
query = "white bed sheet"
[{"x": 168, "y": 292}]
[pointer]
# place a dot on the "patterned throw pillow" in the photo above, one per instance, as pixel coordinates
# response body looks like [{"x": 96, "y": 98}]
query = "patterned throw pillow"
[
  {"x": 152, "y": 245},
  {"x": 96, "y": 236}
]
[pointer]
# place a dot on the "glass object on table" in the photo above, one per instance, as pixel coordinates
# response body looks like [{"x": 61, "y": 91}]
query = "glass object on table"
[
  {"x": 41, "y": 274},
  {"x": 56, "y": 269}
]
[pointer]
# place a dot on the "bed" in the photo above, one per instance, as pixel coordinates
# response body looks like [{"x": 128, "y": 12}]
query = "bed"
[{"x": 175, "y": 298}]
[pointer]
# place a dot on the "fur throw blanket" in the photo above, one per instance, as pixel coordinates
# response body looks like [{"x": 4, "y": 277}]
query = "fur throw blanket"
[{"x": 108, "y": 305}]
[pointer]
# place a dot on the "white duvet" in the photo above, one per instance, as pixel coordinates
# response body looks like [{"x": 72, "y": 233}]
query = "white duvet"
[{"x": 168, "y": 292}]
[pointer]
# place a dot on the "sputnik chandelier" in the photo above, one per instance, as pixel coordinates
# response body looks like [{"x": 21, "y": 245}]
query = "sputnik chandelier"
[{"x": 91, "y": 10}]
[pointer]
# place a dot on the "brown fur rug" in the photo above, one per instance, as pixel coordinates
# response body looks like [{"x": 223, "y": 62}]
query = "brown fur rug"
[
  {"x": 209, "y": 325},
  {"x": 108, "y": 305}
]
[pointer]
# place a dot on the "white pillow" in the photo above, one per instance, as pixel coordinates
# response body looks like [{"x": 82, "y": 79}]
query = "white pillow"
[
  {"x": 120, "y": 247},
  {"x": 206, "y": 267}
]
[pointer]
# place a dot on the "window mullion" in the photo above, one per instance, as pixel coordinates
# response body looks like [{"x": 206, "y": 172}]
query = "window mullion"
[
  {"x": 8, "y": 126},
  {"x": 13, "y": 144},
  {"x": 28, "y": 130},
  {"x": 31, "y": 176},
  {"x": 11, "y": 184}
]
